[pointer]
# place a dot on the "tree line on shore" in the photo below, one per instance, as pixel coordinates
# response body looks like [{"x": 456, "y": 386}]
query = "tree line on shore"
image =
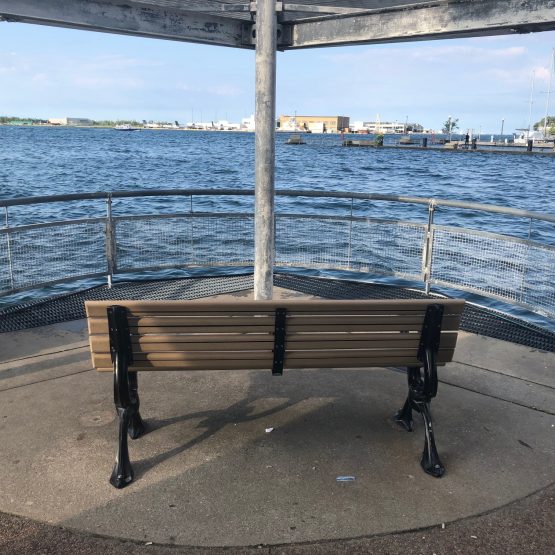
[{"x": 5, "y": 120}]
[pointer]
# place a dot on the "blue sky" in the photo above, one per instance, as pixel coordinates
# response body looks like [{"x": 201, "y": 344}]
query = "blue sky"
[{"x": 51, "y": 72}]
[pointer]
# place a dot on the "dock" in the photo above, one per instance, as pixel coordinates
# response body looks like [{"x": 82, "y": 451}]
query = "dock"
[{"x": 367, "y": 143}]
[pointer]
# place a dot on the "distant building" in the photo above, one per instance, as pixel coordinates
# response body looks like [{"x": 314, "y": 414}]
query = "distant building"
[
  {"x": 79, "y": 121},
  {"x": 386, "y": 127},
  {"x": 248, "y": 123},
  {"x": 71, "y": 121},
  {"x": 316, "y": 124}
]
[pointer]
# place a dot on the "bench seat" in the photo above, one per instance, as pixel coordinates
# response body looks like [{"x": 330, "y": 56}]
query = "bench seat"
[{"x": 131, "y": 336}]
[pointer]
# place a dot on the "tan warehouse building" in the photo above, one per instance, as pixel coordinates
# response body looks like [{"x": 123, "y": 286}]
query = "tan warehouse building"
[{"x": 316, "y": 124}]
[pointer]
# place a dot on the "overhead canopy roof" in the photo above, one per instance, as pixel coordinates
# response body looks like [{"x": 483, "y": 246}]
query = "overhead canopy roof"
[{"x": 303, "y": 24}]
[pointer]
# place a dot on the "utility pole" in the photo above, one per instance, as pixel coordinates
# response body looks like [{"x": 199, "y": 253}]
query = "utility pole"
[
  {"x": 548, "y": 94},
  {"x": 531, "y": 102}
]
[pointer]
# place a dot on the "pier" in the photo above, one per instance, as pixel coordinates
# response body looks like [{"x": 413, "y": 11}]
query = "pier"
[{"x": 459, "y": 148}]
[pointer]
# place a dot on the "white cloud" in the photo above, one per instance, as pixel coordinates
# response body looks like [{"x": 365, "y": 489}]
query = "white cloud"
[
  {"x": 104, "y": 82},
  {"x": 430, "y": 53},
  {"x": 224, "y": 89},
  {"x": 4, "y": 70}
]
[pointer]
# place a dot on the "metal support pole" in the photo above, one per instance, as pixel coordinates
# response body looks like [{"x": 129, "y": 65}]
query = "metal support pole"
[
  {"x": 110, "y": 242},
  {"x": 264, "y": 237},
  {"x": 350, "y": 253},
  {"x": 427, "y": 251},
  {"x": 192, "y": 231},
  {"x": 9, "y": 247}
]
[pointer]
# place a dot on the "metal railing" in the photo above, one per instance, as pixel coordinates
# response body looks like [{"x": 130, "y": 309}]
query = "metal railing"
[{"x": 508, "y": 255}]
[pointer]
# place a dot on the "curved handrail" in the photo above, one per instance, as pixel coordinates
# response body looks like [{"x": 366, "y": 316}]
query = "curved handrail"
[
  {"x": 280, "y": 192},
  {"x": 514, "y": 269}
]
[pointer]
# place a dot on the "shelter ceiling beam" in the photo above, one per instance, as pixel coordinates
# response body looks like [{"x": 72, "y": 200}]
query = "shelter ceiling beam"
[
  {"x": 124, "y": 18},
  {"x": 438, "y": 19}
]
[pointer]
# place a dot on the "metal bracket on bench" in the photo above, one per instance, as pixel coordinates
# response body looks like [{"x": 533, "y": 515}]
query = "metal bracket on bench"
[
  {"x": 429, "y": 347},
  {"x": 431, "y": 331},
  {"x": 120, "y": 339},
  {"x": 279, "y": 341}
]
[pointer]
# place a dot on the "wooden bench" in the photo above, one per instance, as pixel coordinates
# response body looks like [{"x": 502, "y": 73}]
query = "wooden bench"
[{"x": 131, "y": 336}]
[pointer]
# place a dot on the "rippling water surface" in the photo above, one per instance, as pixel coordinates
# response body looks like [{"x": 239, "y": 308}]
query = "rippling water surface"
[{"x": 49, "y": 161}]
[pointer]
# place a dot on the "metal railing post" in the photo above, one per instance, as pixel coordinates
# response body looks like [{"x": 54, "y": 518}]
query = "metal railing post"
[
  {"x": 9, "y": 247},
  {"x": 111, "y": 260},
  {"x": 427, "y": 251},
  {"x": 350, "y": 252},
  {"x": 523, "y": 277},
  {"x": 192, "y": 239}
]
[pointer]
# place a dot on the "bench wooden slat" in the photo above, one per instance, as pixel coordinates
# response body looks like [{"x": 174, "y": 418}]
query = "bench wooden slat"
[
  {"x": 337, "y": 356},
  {"x": 98, "y": 308},
  {"x": 448, "y": 339},
  {"x": 99, "y": 326},
  {"x": 262, "y": 365},
  {"x": 104, "y": 362},
  {"x": 194, "y": 321},
  {"x": 292, "y": 320},
  {"x": 102, "y": 340},
  {"x": 100, "y": 312},
  {"x": 101, "y": 344}
]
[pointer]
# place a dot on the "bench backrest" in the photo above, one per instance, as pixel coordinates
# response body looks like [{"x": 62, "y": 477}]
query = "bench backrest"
[{"x": 213, "y": 335}]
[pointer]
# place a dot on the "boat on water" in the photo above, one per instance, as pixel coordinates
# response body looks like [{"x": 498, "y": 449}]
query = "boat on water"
[
  {"x": 125, "y": 127},
  {"x": 538, "y": 138}
]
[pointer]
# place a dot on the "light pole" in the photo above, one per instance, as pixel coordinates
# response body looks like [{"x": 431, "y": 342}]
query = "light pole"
[{"x": 449, "y": 128}]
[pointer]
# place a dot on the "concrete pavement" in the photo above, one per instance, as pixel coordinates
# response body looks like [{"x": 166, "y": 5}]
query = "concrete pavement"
[{"x": 208, "y": 473}]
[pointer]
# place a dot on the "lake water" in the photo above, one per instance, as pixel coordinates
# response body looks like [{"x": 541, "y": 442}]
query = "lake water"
[{"x": 49, "y": 161}]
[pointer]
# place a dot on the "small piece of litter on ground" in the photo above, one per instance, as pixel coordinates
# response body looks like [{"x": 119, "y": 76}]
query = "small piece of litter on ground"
[
  {"x": 268, "y": 430},
  {"x": 345, "y": 479},
  {"x": 148, "y": 543},
  {"x": 443, "y": 525},
  {"x": 474, "y": 537}
]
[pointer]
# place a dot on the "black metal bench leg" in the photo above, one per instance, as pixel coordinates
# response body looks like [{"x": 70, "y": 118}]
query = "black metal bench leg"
[
  {"x": 404, "y": 416},
  {"x": 430, "y": 459},
  {"x": 136, "y": 424},
  {"x": 123, "y": 472},
  {"x": 122, "y": 475},
  {"x": 421, "y": 391}
]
